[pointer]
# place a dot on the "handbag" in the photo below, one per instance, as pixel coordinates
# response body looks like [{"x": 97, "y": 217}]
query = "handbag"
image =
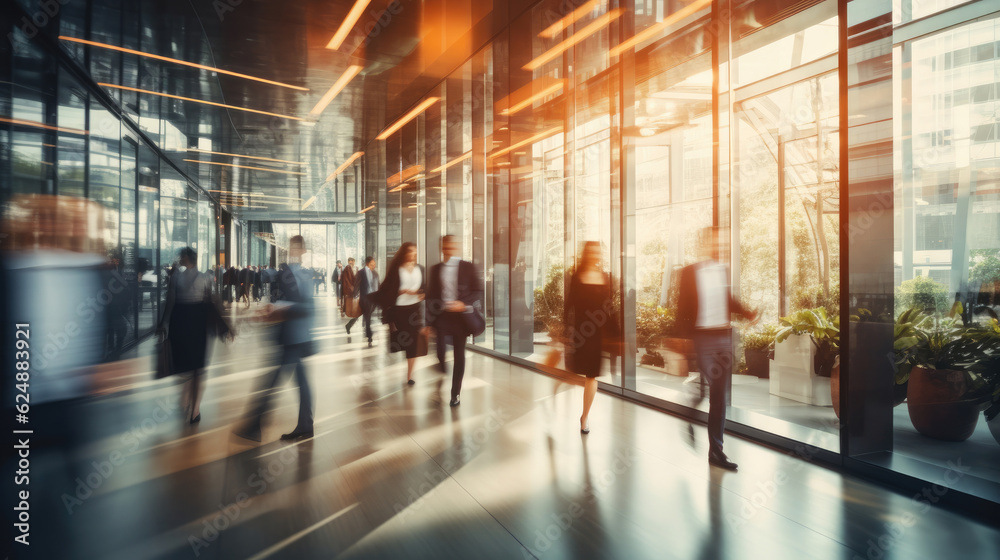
[
  {"x": 352, "y": 307},
  {"x": 164, "y": 359}
]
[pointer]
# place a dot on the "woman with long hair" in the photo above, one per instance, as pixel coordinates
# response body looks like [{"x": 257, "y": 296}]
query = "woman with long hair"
[
  {"x": 401, "y": 298},
  {"x": 192, "y": 312},
  {"x": 588, "y": 315}
]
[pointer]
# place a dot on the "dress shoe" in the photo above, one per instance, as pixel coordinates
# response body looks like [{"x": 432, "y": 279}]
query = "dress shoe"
[
  {"x": 348, "y": 330},
  {"x": 297, "y": 435},
  {"x": 196, "y": 419},
  {"x": 455, "y": 401},
  {"x": 410, "y": 382},
  {"x": 370, "y": 345},
  {"x": 720, "y": 460}
]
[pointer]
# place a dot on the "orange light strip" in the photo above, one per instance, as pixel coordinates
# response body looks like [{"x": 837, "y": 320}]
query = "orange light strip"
[
  {"x": 34, "y": 124},
  {"x": 657, "y": 28},
  {"x": 344, "y": 166},
  {"x": 339, "y": 85},
  {"x": 527, "y": 102},
  {"x": 237, "y": 193},
  {"x": 455, "y": 161},
  {"x": 572, "y": 40},
  {"x": 408, "y": 117},
  {"x": 404, "y": 175},
  {"x": 399, "y": 187},
  {"x": 348, "y": 24},
  {"x": 367, "y": 209},
  {"x": 540, "y": 136},
  {"x": 196, "y": 150},
  {"x": 245, "y": 167},
  {"x": 309, "y": 202},
  {"x": 557, "y": 27},
  {"x": 181, "y": 62},
  {"x": 212, "y": 103}
]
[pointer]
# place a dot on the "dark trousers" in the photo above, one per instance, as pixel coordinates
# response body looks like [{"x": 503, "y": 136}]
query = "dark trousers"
[
  {"x": 451, "y": 324},
  {"x": 366, "y": 318},
  {"x": 715, "y": 362},
  {"x": 291, "y": 355}
]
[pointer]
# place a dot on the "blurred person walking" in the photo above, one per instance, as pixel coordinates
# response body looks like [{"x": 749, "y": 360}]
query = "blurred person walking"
[
  {"x": 367, "y": 282},
  {"x": 337, "y": 273},
  {"x": 453, "y": 289},
  {"x": 589, "y": 319},
  {"x": 705, "y": 307},
  {"x": 191, "y": 313},
  {"x": 294, "y": 312},
  {"x": 401, "y": 298},
  {"x": 352, "y": 305}
]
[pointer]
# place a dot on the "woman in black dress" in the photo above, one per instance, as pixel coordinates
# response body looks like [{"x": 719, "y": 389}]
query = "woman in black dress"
[
  {"x": 401, "y": 298},
  {"x": 192, "y": 311},
  {"x": 588, "y": 315}
]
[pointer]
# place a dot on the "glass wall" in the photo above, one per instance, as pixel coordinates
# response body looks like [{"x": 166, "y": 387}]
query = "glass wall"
[
  {"x": 64, "y": 148},
  {"x": 637, "y": 125}
]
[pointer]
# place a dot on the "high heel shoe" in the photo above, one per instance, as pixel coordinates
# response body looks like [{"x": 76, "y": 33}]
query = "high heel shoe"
[
  {"x": 196, "y": 419},
  {"x": 584, "y": 430}
]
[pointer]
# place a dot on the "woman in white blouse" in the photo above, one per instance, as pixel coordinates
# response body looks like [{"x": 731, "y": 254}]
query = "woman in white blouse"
[{"x": 401, "y": 297}]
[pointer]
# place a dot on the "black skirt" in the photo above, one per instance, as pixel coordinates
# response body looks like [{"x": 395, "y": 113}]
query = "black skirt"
[
  {"x": 407, "y": 320},
  {"x": 188, "y": 336}
]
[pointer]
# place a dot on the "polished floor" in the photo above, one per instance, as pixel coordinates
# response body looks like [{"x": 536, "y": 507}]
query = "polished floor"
[{"x": 394, "y": 472}]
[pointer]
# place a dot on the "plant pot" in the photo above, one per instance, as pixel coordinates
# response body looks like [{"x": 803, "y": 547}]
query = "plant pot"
[
  {"x": 758, "y": 363},
  {"x": 792, "y": 374},
  {"x": 937, "y": 405}
]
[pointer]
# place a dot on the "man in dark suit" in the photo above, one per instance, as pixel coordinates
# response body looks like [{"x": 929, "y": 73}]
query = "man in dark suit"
[
  {"x": 705, "y": 308},
  {"x": 337, "y": 272},
  {"x": 453, "y": 288},
  {"x": 367, "y": 282}
]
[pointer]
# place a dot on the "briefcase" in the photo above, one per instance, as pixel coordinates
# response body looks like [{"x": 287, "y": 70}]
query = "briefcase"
[{"x": 352, "y": 307}]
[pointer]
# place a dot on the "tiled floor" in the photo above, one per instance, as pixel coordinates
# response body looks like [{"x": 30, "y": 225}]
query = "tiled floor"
[{"x": 394, "y": 472}]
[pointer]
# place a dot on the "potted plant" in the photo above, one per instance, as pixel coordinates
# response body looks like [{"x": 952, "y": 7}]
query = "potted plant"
[
  {"x": 950, "y": 368},
  {"x": 652, "y": 324},
  {"x": 805, "y": 357},
  {"x": 548, "y": 312},
  {"x": 758, "y": 348}
]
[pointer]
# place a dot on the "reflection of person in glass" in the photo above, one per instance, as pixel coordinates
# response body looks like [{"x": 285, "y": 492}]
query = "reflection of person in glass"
[
  {"x": 705, "y": 306},
  {"x": 191, "y": 309},
  {"x": 294, "y": 311},
  {"x": 588, "y": 314}
]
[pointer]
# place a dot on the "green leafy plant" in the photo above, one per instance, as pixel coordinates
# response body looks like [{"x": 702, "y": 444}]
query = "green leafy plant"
[
  {"x": 823, "y": 331},
  {"x": 943, "y": 342},
  {"x": 652, "y": 323},
  {"x": 549, "y": 302},
  {"x": 924, "y": 293},
  {"x": 760, "y": 339},
  {"x": 652, "y": 358}
]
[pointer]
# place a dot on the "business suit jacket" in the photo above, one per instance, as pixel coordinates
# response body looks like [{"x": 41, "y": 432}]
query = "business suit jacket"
[
  {"x": 470, "y": 289},
  {"x": 687, "y": 306},
  {"x": 364, "y": 288}
]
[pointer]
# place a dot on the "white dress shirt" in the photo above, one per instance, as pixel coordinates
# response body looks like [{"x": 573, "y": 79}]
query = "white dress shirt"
[
  {"x": 713, "y": 296},
  {"x": 409, "y": 280},
  {"x": 372, "y": 280},
  {"x": 449, "y": 279}
]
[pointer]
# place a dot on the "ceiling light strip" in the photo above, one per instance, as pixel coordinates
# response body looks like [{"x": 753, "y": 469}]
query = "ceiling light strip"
[
  {"x": 339, "y": 85},
  {"x": 177, "y": 61},
  {"x": 658, "y": 28},
  {"x": 408, "y": 117},
  {"x": 557, "y": 27},
  {"x": 212, "y": 103},
  {"x": 344, "y": 166},
  {"x": 35, "y": 124},
  {"x": 455, "y": 161},
  {"x": 367, "y": 209},
  {"x": 345, "y": 27},
  {"x": 527, "y": 102},
  {"x": 309, "y": 202},
  {"x": 245, "y": 167},
  {"x": 572, "y": 40},
  {"x": 246, "y": 156},
  {"x": 540, "y": 136}
]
